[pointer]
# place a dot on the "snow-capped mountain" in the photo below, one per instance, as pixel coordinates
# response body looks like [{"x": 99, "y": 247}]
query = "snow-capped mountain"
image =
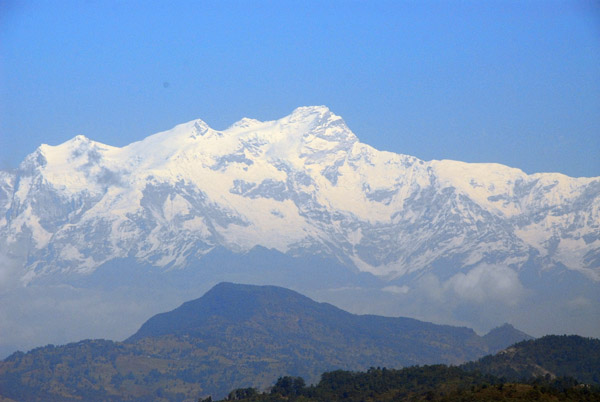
[{"x": 302, "y": 185}]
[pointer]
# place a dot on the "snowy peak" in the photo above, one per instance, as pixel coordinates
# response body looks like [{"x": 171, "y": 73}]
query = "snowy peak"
[
  {"x": 306, "y": 133},
  {"x": 312, "y": 115},
  {"x": 310, "y": 135},
  {"x": 244, "y": 124},
  {"x": 77, "y": 151},
  {"x": 76, "y": 165},
  {"x": 168, "y": 142},
  {"x": 302, "y": 184},
  {"x": 320, "y": 122}
]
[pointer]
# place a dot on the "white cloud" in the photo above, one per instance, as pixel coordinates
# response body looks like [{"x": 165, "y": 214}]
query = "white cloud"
[
  {"x": 399, "y": 290},
  {"x": 579, "y": 302},
  {"x": 9, "y": 273},
  {"x": 487, "y": 283},
  {"x": 431, "y": 286}
]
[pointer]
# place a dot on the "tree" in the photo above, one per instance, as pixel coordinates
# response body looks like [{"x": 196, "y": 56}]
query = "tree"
[
  {"x": 289, "y": 386},
  {"x": 242, "y": 393}
]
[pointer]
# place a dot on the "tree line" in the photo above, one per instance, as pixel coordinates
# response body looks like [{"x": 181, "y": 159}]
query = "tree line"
[{"x": 418, "y": 383}]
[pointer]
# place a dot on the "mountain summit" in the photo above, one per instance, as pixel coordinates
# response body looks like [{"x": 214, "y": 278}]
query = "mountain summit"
[
  {"x": 301, "y": 185},
  {"x": 281, "y": 316}
]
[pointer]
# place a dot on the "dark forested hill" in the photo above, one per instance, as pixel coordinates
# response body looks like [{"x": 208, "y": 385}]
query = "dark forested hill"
[
  {"x": 248, "y": 316},
  {"x": 233, "y": 336},
  {"x": 552, "y": 356},
  {"x": 498, "y": 338},
  {"x": 424, "y": 383}
]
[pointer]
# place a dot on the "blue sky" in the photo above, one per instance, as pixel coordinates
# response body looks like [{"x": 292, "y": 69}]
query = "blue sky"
[{"x": 513, "y": 82}]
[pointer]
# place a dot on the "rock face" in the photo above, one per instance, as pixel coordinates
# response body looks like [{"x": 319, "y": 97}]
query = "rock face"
[{"x": 301, "y": 185}]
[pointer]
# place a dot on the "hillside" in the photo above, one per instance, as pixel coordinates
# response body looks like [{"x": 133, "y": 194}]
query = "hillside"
[
  {"x": 553, "y": 356},
  {"x": 552, "y": 368},
  {"x": 506, "y": 334},
  {"x": 427, "y": 383},
  {"x": 277, "y": 316},
  {"x": 233, "y": 336}
]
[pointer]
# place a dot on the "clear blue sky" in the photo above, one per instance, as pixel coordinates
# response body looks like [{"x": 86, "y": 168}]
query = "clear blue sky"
[{"x": 513, "y": 82}]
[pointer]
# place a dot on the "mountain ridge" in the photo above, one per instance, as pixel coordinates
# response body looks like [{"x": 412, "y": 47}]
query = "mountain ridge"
[
  {"x": 288, "y": 312},
  {"x": 303, "y": 183},
  {"x": 233, "y": 336},
  {"x": 236, "y": 303},
  {"x": 298, "y": 202}
]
